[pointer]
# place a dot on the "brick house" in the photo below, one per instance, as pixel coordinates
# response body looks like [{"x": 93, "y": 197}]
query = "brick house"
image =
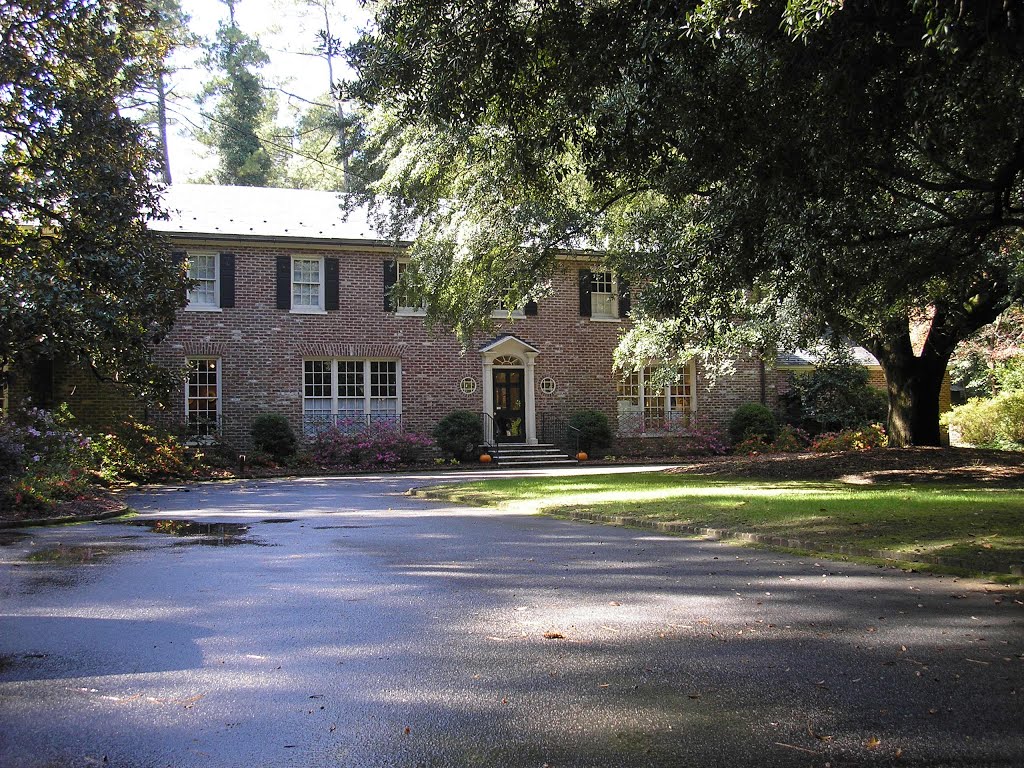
[{"x": 293, "y": 313}]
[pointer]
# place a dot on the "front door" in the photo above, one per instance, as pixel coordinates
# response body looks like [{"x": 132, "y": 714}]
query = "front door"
[{"x": 509, "y": 405}]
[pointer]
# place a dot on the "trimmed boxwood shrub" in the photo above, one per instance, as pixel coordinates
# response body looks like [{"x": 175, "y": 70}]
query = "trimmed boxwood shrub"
[
  {"x": 595, "y": 434},
  {"x": 459, "y": 434},
  {"x": 272, "y": 434},
  {"x": 753, "y": 420}
]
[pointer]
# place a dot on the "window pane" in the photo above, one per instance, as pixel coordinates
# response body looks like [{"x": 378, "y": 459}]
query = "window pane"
[
  {"x": 306, "y": 283},
  {"x": 202, "y": 268},
  {"x": 202, "y": 404}
]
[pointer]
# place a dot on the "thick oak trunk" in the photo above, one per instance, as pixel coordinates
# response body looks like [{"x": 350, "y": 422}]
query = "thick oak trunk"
[{"x": 914, "y": 386}]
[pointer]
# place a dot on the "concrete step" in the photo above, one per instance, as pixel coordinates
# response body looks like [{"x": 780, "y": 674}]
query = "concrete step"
[{"x": 522, "y": 455}]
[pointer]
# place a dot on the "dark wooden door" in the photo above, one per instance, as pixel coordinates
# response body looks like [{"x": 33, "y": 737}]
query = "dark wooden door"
[{"x": 509, "y": 405}]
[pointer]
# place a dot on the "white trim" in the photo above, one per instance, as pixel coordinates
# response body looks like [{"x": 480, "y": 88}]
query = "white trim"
[{"x": 511, "y": 345}]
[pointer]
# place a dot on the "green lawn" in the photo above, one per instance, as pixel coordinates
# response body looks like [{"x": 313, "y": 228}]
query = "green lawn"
[{"x": 982, "y": 526}]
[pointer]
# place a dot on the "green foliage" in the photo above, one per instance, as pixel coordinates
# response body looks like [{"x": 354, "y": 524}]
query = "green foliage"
[
  {"x": 836, "y": 395},
  {"x": 459, "y": 434},
  {"x": 241, "y": 107},
  {"x": 863, "y": 439},
  {"x": 869, "y": 175},
  {"x": 753, "y": 420},
  {"x": 595, "y": 432},
  {"x": 44, "y": 459},
  {"x": 81, "y": 276},
  {"x": 992, "y": 360},
  {"x": 137, "y": 452},
  {"x": 272, "y": 434},
  {"x": 995, "y": 422},
  {"x": 789, "y": 439}
]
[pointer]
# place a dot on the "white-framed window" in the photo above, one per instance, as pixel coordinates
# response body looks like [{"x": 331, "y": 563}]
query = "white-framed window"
[
  {"x": 407, "y": 305},
  {"x": 307, "y": 284},
  {"x": 204, "y": 270},
  {"x": 350, "y": 394},
  {"x": 604, "y": 301},
  {"x": 646, "y": 407},
  {"x": 202, "y": 396}
]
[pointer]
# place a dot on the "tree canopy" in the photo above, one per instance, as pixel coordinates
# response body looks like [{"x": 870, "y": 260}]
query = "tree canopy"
[
  {"x": 81, "y": 276},
  {"x": 760, "y": 170},
  {"x": 242, "y": 107}
]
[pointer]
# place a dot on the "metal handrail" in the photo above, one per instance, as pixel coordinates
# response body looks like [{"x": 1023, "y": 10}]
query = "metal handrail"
[
  {"x": 558, "y": 431},
  {"x": 489, "y": 427}
]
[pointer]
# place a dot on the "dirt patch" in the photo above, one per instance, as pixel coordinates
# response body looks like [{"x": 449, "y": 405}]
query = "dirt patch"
[
  {"x": 896, "y": 465},
  {"x": 95, "y": 504}
]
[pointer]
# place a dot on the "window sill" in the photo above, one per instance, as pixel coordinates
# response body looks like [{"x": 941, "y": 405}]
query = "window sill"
[
  {"x": 410, "y": 312},
  {"x": 606, "y": 319},
  {"x": 504, "y": 314},
  {"x": 308, "y": 311},
  {"x": 202, "y": 308}
]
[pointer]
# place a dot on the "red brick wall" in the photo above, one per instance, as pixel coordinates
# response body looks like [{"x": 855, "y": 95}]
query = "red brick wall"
[{"x": 262, "y": 348}]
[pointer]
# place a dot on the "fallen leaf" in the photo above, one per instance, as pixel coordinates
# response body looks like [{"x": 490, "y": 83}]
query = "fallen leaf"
[
  {"x": 615, "y": 602},
  {"x": 873, "y": 743},
  {"x": 554, "y": 636},
  {"x": 408, "y": 730}
]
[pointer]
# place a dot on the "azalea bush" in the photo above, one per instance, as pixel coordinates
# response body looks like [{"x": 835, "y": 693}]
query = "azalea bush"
[
  {"x": 138, "y": 452},
  {"x": 44, "y": 459},
  {"x": 866, "y": 438},
  {"x": 377, "y": 445}
]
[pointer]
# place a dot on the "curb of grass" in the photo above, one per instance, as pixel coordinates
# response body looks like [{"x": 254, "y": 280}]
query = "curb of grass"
[
  {"x": 667, "y": 526},
  {"x": 32, "y": 522}
]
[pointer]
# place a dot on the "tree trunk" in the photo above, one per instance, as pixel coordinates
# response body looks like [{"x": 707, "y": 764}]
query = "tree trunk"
[
  {"x": 914, "y": 384},
  {"x": 161, "y": 117}
]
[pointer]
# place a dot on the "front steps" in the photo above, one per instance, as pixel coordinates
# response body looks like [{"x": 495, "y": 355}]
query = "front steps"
[{"x": 523, "y": 455}]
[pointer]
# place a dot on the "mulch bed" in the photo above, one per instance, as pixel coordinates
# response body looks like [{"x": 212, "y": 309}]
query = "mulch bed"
[
  {"x": 897, "y": 465},
  {"x": 99, "y": 503}
]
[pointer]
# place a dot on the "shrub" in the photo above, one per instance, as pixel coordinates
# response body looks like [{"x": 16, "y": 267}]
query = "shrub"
[
  {"x": 272, "y": 434},
  {"x": 595, "y": 433},
  {"x": 750, "y": 420},
  {"x": 43, "y": 459},
  {"x": 835, "y": 396},
  {"x": 459, "y": 434},
  {"x": 864, "y": 439},
  {"x": 141, "y": 452},
  {"x": 788, "y": 440},
  {"x": 368, "y": 446},
  {"x": 993, "y": 422}
]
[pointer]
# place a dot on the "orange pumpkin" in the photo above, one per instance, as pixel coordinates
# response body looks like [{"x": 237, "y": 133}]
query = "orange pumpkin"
[
  {"x": 485, "y": 458},
  {"x": 582, "y": 456}
]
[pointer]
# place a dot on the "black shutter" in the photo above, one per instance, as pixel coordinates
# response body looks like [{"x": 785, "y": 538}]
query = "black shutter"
[
  {"x": 227, "y": 280},
  {"x": 331, "y": 283},
  {"x": 284, "y": 282},
  {"x": 178, "y": 259},
  {"x": 585, "y": 307},
  {"x": 625, "y": 301},
  {"x": 390, "y": 278},
  {"x": 530, "y": 309}
]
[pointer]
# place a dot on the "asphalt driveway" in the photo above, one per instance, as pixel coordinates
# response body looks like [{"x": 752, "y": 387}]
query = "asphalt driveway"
[{"x": 337, "y": 622}]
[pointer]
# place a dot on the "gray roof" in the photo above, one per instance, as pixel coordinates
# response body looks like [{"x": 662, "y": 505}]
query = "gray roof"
[
  {"x": 262, "y": 213},
  {"x": 802, "y": 358}
]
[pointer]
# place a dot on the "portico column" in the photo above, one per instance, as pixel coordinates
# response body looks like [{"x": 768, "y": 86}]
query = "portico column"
[
  {"x": 531, "y": 410},
  {"x": 488, "y": 384}
]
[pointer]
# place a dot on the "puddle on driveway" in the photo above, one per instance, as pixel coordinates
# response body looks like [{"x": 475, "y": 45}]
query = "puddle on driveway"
[
  {"x": 278, "y": 520},
  {"x": 208, "y": 534},
  {"x": 8, "y": 537},
  {"x": 338, "y": 527},
  {"x": 77, "y": 554}
]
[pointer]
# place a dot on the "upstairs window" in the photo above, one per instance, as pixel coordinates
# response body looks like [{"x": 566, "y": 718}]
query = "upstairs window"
[
  {"x": 307, "y": 284},
  {"x": 203, "y": 270},
  {"x": 603, "y": 295},
  {"x": 407, "y": 304}
]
